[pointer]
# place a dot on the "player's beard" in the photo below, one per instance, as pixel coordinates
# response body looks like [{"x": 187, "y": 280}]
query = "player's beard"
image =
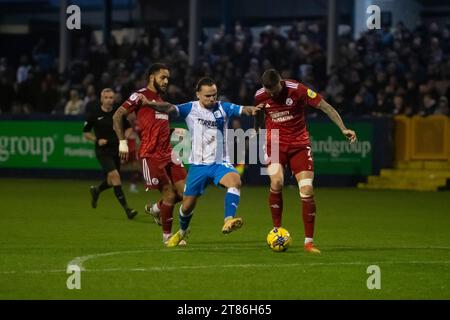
[
  {"x": 158, "y": 88},
  {"x": 210, "y": 104}
]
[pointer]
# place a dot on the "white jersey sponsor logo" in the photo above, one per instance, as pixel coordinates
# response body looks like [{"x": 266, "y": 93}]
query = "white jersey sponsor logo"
[
  {"x": 281, "y": 116},
  {"x": 162, "y": 116}
]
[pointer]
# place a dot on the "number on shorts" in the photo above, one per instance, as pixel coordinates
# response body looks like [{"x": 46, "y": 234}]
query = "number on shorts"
[{"x": 228, "y": 165}]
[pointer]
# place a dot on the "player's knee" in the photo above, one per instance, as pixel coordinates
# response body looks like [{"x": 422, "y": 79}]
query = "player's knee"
[
  {"x": 170, "y": 197},
  {"x": 179, "y": 196},
  {"x": 236, "y": 183},
  {"x": 231, "y": 180},
  {"x": 306, "y": 188},
  {"x": 276, "y": 184},
  {"x": 114, "y": 178},
  {"x": 306, "y": 192}
]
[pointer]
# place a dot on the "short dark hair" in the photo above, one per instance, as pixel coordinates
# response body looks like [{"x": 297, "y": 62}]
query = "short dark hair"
[
  {"x": 107, "y": 90},
  {"x": 155, "y": 67},
  {"x": 205, "y": 81},
  {"x": 270, "y": 78}
]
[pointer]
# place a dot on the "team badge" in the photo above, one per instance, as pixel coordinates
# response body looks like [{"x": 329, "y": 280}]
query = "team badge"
[
  {"x": 311, "y": 94},
  {"x": 217, "y": 114},
  {"x": 289, "y": 101},
  {"x": 134, "y": 96}
]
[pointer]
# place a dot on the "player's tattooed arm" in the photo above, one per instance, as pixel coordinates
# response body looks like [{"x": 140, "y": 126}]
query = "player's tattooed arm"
[
  {"x": 336, "y": 118},
  {"x": 128, "y": 133},
  {"x": 118, "y": 122},
  {"x": 164, "y": 107},
  {"x": 118, "y": 128}
]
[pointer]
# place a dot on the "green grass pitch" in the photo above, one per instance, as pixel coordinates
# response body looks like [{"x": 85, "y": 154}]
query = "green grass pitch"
[{"x": 45, "y": 224}]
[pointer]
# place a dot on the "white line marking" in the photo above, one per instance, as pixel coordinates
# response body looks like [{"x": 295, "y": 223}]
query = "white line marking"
[
  {"x": 287, "y": 265},
  {"x": 79, "y": 261}
]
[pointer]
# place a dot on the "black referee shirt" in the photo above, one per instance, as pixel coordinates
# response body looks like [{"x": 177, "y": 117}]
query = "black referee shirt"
[{"x": 102, "y": 123}]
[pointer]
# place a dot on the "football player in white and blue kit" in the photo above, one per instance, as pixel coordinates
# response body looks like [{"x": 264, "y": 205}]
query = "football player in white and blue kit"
[{"x": 207, "y": 120}]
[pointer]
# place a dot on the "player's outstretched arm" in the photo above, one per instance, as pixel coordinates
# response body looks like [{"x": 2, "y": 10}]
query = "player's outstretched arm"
[
  {"x": 252, "y": 110},
  {"x": 118, "y": 128},
  {"x": 336, "y": 118},
  {"x": 165, "y": 107},
  {"x": 128, "y": 133},
  {"x": 259, "y": 120}
]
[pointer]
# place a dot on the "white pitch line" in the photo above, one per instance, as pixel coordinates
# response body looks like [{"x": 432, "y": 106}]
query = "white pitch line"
[
  {"x": 251, "y": 265},
  {"x": 79, "y": 261}
]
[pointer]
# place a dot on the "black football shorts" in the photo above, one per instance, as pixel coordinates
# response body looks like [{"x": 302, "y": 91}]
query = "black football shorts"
[{"x": 109, "y": 159}]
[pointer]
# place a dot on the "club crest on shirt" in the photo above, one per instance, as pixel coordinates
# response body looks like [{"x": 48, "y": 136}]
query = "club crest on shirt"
[
  {"x": 311, "y": 94},
  {"x": 289, "y": 101},
  {"x": 218, "y": 114}
]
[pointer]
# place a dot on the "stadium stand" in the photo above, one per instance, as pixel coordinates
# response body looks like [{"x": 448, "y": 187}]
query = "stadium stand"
[{"x": 393, "y": 71}]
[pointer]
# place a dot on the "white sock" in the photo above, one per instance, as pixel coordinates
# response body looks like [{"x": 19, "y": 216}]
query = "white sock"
[
  {"x": 166, "y": 236},
  {"x": 308, "y": 240},
  {"x": 155, "y": 208}
]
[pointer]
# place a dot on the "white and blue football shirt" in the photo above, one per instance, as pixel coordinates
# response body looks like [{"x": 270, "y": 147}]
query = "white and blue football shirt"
[{"x": 208, "y": 130}]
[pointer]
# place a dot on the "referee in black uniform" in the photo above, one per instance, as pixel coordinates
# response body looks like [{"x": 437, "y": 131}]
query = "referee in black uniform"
[{"x": 106, "y": 149}]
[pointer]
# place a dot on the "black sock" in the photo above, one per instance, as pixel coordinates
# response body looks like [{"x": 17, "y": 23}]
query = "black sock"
[
  {"x": 120, "y": 196},
  {"x": 103, "y": 186}
]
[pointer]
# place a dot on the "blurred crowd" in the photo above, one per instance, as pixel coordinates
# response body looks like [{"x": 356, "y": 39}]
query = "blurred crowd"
[{"x": 385, "y": 72}]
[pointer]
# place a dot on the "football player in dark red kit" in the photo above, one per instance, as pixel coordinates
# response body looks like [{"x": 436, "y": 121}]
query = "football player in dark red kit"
[
  {"x": 155, "y": 151},
  {"x": 285, "y": 103}
]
